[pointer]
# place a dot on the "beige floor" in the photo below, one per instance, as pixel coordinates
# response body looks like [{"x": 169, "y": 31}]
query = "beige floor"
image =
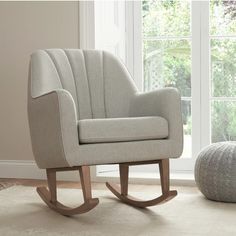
[{"x": 23, "y": 213}]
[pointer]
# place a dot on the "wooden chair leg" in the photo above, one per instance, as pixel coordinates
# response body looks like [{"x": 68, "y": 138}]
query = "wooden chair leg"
[
  {"x": 164, "y": 175},
  {"x": 52, "y": 185},
  {"x": 124, "y": 178},
  {"x": 122, "y": 192},
  {"x": 50, "y": 196},
  {"x": 85, "y": 181}
]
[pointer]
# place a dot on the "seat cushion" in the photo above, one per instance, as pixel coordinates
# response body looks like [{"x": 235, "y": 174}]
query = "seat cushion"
[{"x": 122, "y": 129}]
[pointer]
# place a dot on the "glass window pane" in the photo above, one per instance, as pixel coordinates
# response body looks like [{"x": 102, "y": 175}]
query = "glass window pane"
[
  {"x": 223, "y": 67},
  {"x": 187, "y": 121},
  {"x": 223, "y": 17},
  {"x": 166, "y": 18},
  {"x": 167, "y": 63},
  {"x": 223, "y": 121},
  {"x": 167, "y": 55}
]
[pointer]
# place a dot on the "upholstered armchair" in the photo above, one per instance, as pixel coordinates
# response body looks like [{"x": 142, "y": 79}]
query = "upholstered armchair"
[{"x": 84, "y": 109}]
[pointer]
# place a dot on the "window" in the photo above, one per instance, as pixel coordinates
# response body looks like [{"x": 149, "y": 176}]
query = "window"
[
  {"x": 190, "y": 45},
  {"x": 223, "y": 70},
  {"x": 166, "y": 37}
]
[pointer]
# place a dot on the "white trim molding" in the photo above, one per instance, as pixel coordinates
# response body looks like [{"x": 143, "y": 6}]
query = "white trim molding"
[
  {"x": 20, "y": 169},
  {"x": 26, "y": 169},
  {"x": 178, "y": 178},
  {"x": 86, "y": 25},
  {"x": 134, "y": 58}
]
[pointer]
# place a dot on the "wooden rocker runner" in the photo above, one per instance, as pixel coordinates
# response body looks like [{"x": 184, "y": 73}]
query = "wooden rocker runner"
[
  {"x": 122, "y": 191},
  {"x": 50, "y": 196},
  {"x": 84, "y": 109}
]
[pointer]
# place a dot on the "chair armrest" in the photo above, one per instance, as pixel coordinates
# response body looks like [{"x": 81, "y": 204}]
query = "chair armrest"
[
  {"x": 166, "y": 103},
  {"x": 53, "y": 128}
]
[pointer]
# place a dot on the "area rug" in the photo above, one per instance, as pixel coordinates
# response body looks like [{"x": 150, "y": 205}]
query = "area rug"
[
  {"x": 5, "y": 185},
  {"x": 23, "y": 213}
]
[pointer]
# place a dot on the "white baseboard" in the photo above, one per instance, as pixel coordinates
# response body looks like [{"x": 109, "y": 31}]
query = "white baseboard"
[
  {"x": 177, "y": 179},
  {"x": 25, "y": 169},
  {"x": 28, "y": 170}
]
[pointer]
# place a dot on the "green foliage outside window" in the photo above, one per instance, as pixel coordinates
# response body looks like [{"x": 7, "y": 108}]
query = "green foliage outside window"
[{"x": 167, "y": 62}]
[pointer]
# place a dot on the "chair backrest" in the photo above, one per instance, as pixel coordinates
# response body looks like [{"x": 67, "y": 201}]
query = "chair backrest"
[{"x": 98, "y": 82}]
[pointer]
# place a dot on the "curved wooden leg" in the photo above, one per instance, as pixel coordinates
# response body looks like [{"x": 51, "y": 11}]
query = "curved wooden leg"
[
  {"x": 122, "y": 192},
  {"x": 50, "y": 196}
]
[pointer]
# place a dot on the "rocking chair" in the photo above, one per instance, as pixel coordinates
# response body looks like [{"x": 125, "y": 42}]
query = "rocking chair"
[{"x": 84, "y": 109}]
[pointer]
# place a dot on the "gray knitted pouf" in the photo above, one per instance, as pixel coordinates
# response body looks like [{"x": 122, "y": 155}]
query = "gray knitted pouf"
[{"x": 215, "y": 171}]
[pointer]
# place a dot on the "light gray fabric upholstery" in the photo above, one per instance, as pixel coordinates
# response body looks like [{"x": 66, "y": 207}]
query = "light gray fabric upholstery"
[
  {"x": 122, "y": 129},
  {"x": 72, "y": 85},
  {"x": 53, "y": 126},
  {"x": 167, "y": 104}
]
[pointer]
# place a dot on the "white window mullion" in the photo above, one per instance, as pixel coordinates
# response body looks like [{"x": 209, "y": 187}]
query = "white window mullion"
[
  {"x": 137, "y": 44},
  {"x": 205, "y": 75},
  {"x": 129, "y": 36},
  {"x": 195, "y": 77}
]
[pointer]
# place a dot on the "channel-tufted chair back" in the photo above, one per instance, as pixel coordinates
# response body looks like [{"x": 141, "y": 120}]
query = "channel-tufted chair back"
[{"x": 99, "y": 83}]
